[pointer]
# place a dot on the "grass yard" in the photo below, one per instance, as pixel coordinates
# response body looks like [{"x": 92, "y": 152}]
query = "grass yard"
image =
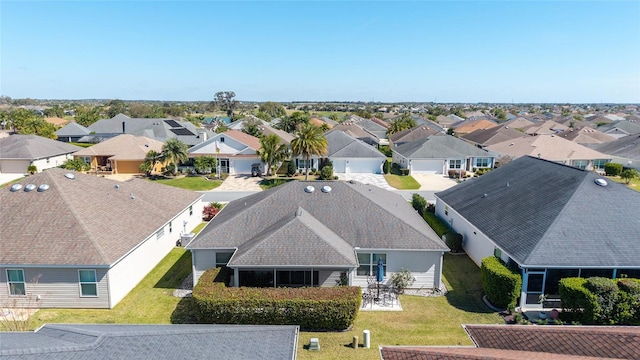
[
  {"x": 402, "y": 182},
  {"x": 195, "y": 183},
  {"x": 634, "y": 184}
]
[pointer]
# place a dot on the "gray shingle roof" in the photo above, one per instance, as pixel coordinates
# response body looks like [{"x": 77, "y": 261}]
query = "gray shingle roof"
[
  {"x": 33, "y": 147},
  {"x": 73, "y": 129},
  {"x": 360, "y": 215},
  {"x": 438, "y": 146},
  {"x": 493, "y": 135},
  {"x": 84, "y": 221},
  {"x": 547, "y": 214},
  {"x": 628, "y": 147},
  {"x": 344, "y": 146},
  {"x": 627, "y": 126},
  {"x": 415, "y": 133},
  {"x": 70, "y": 341}
]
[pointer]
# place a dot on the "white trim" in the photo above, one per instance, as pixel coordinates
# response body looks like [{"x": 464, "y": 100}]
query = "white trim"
[
  {"x": 95, "y": 283},
  {"x": 24, "y": 283}
]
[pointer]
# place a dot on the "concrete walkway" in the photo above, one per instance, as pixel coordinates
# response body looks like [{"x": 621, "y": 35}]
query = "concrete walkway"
[
  {"x": 240, "y": 182},
  {"x": 434, "y": 182},
  {"x": 373, "y": 179}
]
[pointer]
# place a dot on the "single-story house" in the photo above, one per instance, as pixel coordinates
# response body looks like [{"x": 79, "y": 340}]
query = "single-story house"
[
  {"x": 120, "y": 341},
  {"x": 549, "y": 220},
  {"x": 585, "y": 135},
  {"x": 18, "y": 152},
  {"x": 122, "y": 154},
  {"x": 554, "y": 148},
  {"x": 409, "y": 135},
  {"x": 236, "y": 151},
  {"x": 437, "y": 154},
  {"x": 353, "y": 129},
  {"x": 467, "y": 127},
  {"x": 317, "y": 233},
  {"x": 545, "y": 128},
  {"x": 485, "y": 137},
  {"x": 621, "y": 128},
  {"x": 71, "y": 240},
  {"x": 625, "y": 150},
  {"x": 72, "y": 132},
  {"x": 350, "y": 155}
]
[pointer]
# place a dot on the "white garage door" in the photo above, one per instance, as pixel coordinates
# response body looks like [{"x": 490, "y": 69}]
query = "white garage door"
[
  {"x": 339, "y": 166},
  {"x": 243, "y": 166},
  {"x": 365, "y": 166},
  {"x": 427, "y": 166},
  {"x": 14, "y": 166}
]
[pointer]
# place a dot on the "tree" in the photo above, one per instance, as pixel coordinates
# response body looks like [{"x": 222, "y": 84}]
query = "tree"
[
  {"x": 224, "y": 100},
  {"x": 629, "y": 174},
  {"x": 55, "y": 110},
  {"x": 204, "y": 164},
  {"x": 252, "y": 126},
  {"x": 151, "y": 159},
  {"x": 115, "y": 107},
  {"x": 293, "y": 121},
  {"x": 175, "y": 151},
  {"x": 86, "y": 116},
  {"x": 419, "y": 203},
  {"x": 273, "y": 109},
  {"x": 398, "y": 124},
  {"x": 76, "y": 164},
  {"x": 309, "y": 141},
  {"x": 271, "y": 151}
]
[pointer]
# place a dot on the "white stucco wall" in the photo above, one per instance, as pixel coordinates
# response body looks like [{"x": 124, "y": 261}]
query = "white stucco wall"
[
  {"x": 425, "y": 266},
  {"x": 51, "y": 162}
]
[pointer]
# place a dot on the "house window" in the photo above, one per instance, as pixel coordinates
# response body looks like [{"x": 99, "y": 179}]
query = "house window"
[
  {"x": 455, "y": 164},
  {"x": 222, "y": 139},
  {"x": 88, "y": 283},
  {"x": 86, "y": 159},
  {"x": 497, "y": 253},
  {"x": 369, "y": 263},
  {"x": 302, "y": 163},
  {"x": 190, "y": 210},
  {"x": 296, "y": 278},
  {"x": 446, "y": 210},
  {"x": 15, "y": 279},
  {"x": 170, "y": 227},
  {"x": 222, "y": 258},
  {"x": 599, "y": 164},
  {"x": 580, "y": 164},
  {"x": 482, "y": 162},
  {"x": 160, "y": 233}
]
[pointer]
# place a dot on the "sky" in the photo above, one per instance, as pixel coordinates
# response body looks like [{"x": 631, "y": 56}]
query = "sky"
[{"x": 380, "y": 51}]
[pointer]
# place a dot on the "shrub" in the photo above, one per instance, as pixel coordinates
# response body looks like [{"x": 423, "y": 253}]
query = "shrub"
[
  {"x": 578, "y": 303},
  {"x": 627, "y": 175},
  {"x": 454, "y": 241},
  {"x": 404, "y": 172},
  {"x": 313, "y": 308},
  {"x": 402, "y": 280},
  {"x": 612, "y": 169},
  {"x": 419, "y": 203},
  {"x": 326, "y": 173},
  {"x": 211, "y": 210},
  {"x": 439, "y": 226},
  {"x": 32, "y": 169},
  {"x": 386, "y": 167},
  {"x": 386, "y": 150},
  {"x": 606, "y": 292},
  {"x": 431, "y": 208},
  {"x": 291, "y": 168},
  {"x": 501, "y": 284},
  {"x": 457, "y": 174},
  {"x": 628, "y": 305}
]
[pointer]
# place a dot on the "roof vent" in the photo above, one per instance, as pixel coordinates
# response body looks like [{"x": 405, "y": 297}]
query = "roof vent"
[
  {"x": 132, "y": 196},
  {"x": 16, "y": 187},
  {"x": 30, "y": 187},
  {"x": 352, "y": 181},
  {"x": 117, "y": 186},
  {"x": 69, "y": 176},
  {"x": 484, "y": 195},
  {"x": 598, "y": 181},
  {"x": 326, "y": 189},
  {"x": 309, "y": 189},
  {"x": 43, "y": 187}
]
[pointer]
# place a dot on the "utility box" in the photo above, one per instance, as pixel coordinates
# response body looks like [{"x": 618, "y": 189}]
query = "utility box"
[
  {"x": 314, "y": 344},
  {"x": 366, "y": 339}
]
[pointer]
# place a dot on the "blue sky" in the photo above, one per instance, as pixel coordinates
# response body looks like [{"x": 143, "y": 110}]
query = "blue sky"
[{"x": 499, "y": 51}]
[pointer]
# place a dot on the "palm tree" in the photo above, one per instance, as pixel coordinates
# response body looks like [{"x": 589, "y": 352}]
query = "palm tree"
[
  {"x": 271, "y": 151},
  {"x": 150, "y": 160},
  {"x": 175, "y": 151},
  {"x": 309, "y": 140}
]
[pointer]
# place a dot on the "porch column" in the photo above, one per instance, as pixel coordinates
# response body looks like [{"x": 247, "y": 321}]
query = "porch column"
[
  {"x": 236, "y": 277},
  {"x": 523, "y": 292},
  {"x": 274, "y": 278}
]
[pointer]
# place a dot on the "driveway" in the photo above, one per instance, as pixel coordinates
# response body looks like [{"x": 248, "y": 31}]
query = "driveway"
[
  {"x": 240, "y": 182},
  {"x": 373, "y": 179},
  {"x": 5, "y": 178},
  {"x": 434, "y": 182}
]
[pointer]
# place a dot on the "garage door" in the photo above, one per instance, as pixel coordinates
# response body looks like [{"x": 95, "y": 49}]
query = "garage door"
[
  {"x": 243, "y": 166},
  {"x": 364, "y": 166},
  {"x": 339, "y": 166},
  {"x": 14, "y": 166},
  {"x": 427, "y": 166}
]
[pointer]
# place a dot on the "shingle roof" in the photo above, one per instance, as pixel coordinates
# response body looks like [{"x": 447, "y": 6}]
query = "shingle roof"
[
  {"x": 472, "y": 126},
  {"x": 550, "y": 147},
  {"x": 159, "y": 129},
  {"x": 494, "y": 135},
  {"x": 251, "y": 141},
  {"x": 352, "y": 129},
  {"x": 71, "y": 341},
  {"x": 84, "y": 221},
  {"x": 438, "y": 146},
  {"x": 123, "y": 147},
  {"x": 626, "y": 126},
  {"x": 547, "y": 214},
  {"x": 72, "y": 129},
  {"x": 341, "y": 145},
  {"x": 33, "y": 147},
  {"x": 413, "y": 134},
  {"x": 585, "y": 135},
  {"x": 546, "y": 128},
  {"x": 628, "y": 147},
  {"x": 361, "y": 215}
]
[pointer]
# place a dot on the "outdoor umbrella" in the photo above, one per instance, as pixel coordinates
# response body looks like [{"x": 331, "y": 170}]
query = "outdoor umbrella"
[{"x": 380, "y": 274}]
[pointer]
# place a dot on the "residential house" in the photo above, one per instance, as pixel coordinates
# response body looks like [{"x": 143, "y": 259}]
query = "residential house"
[
  {"x": 625, "y": 150},
  {"x": 621, "y": 128},
  {"x": 71, "y": 240},
  {"x": 467, "y": 127},
  {"x": 354, "y": 130},
  {"x": 485, "y": 137},
  {"x": 236, "y": 151},
  {"x": 545, "y": 128},
  {"x": 18, "y": 152},
  {"x": 125, "y": 341},
  {"x": 585, "y": 135},
  {"x": 265, "y": 128},
  {"x": 514, "y": 342},
  {"x": 518, "y": 123},
  {"x": 437, "y": 154},
  {"x": 56, "y": 121},
  {"x": 409, "y": 135},
  {"x": 350, "y": 155},
  {"x": 122, "y": 154},
  {"x": 72, "y": 132},
  {"x": 315, "y": 233},
  {"x": 554, "y": 148},
  {"x": 549, "y": 220}
]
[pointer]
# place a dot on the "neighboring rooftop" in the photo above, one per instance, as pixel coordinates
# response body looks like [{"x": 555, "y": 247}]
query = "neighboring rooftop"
[
  {"x": 33, "y": 147},
  {"x": 123, "y": 147},
  {"x": 439, "y": 146}
]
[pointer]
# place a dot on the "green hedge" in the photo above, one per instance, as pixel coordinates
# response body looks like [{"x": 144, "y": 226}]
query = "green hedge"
[
  {"x": 501, "y": 284},
  {"x": 578, "y": 303},
  {"x": 613, "y": 169},
  {"x": 439, "y": 226},
  {"x": 319, "y": 308}
]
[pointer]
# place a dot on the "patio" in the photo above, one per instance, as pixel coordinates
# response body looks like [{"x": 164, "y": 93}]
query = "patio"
[{"x": 380, "y": 297}]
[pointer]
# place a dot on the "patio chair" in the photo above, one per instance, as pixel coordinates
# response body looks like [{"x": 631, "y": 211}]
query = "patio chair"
[
  {"x": 391, "y": 296},
  {"x": 367, "y": 298}
]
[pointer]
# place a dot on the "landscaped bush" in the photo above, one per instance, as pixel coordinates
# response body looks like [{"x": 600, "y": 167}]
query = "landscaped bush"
[
  {"x": 419, "y": 203},
  {"x": 313, "y": 308},
  {"x": 501, "y": 284},
  {"x": 439, "y": 226},
  {"x": 454, "y": 241},
  {"x": 327, "y": 172},
  {"x": 612, "y": 169},
  {"x": 457, "y": 174},
  {"x": 211, "y": 210},
  {"x": 291, "y": 168},
  {"x": 628, "y": 305},
  {"x": 386, "y": 150},
  {"x": 386, "y": 167},
  {"x": 578, "y": 303},
  {"x": 606, "y": 292},
  {"x": 402, "y": 279},
  {"x": 397, "y": 170}
]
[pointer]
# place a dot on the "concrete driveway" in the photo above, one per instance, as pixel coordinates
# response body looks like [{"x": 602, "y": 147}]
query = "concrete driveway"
[
  {"x": 240, "y": 182},
  {"x": 434, "y": 182},
  {"x": 5, "y": 178},
  {"x": 373, "y": 179}
]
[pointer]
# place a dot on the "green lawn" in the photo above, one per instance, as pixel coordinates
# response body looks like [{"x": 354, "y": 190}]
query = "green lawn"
[
  {"x": 402, "y": 182},
  {"x": 634, "y": 184},
  {"x": 196, "y": 183}
]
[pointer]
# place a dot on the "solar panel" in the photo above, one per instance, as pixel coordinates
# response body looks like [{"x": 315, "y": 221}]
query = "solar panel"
[
  {"x": 181, "y": 131},
  {"x": 172, "y": 123}
]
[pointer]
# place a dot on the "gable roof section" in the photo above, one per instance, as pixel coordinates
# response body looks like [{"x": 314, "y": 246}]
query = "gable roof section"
[
  {"x": 628, "y": 146},
  {"x": 160, "y": 129},
  {"x": 585, "y": 135},
  {"x": 352, "y": 129},
  {"x": 251, "y": 141},
  {"x": 493, "y": 135},
  {"x": 72, "y": 129},
  {"x": 84, "y": 221},
  {"x": 81, "y": 341},
  {"x": 359, "y": 214},
  {"x": 546, "y": 128},
  {"x": 439, "y": 147},
  {"x": 33, "y": 147},
  {"x": 342, "y": 145},
  {"x": 413, "y": 134},
  {"x": 518, "y": 123},
  {"x": 123, "y": 147},
  {"x": 472, "y": 126},
  {"x": 550, "y": 147},
  {"x": 547, "y": 214},
  {"x": 628, "y": 127}
]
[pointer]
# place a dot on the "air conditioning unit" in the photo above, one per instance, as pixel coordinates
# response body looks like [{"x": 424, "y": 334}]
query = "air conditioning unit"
[{"x": 185, "y": 239}]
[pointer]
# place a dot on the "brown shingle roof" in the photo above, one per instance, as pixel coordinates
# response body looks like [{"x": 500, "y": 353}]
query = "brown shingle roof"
[
  {"x": 461, "y": 353},
  {"x": 251, "y": 141},
  {"x": 123, "y": 147},
  {"x": 84, "y": 221}
]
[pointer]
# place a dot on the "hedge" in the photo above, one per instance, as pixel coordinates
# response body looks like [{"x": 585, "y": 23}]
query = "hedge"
[
  {"x": 501, "y": 284},
  {"x": 578, "y": 303},
  {"x": 313, "y": 308},
  {"x": 613, "y": 169},
  {"x": 606, "y": 292},
  {"x": 439, "y": 226}
]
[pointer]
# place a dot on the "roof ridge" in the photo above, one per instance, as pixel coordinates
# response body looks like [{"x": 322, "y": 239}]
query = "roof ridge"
[{"x": 305, "y": 213}]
